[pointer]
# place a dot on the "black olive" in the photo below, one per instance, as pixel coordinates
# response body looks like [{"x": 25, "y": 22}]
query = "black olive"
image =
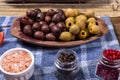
[
  {"x": 48, "y": 19},
  {"x": 40, "y": 16},
  {"x": 63, "y": 17},
  {"x": 37, "y": 10},
  {"x": 51, "y": 24},
  {"x": 59, "y": 11},
  {"x": 61, "y": 25},
  {"x": 36, "y": 26},
  {"x": 42, "y": 23},
  {"x": 31, "y": 21},
  {"x": 27, "y": 30},
  {"x": 50, "y": 12},
  {"x": 50, "y": 37},
  {"x": 39, "y": 35},
  {"x": 56, "y": 18},
  {"x": 56, "y": 30},
  {"x": 24, "y": 21},
  {"x": 31, "y": 13},
  {"x": 45, "y": 29}
]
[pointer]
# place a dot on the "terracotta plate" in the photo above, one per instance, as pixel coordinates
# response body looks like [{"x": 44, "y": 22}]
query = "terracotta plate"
[{"x": 15, "y": 31}]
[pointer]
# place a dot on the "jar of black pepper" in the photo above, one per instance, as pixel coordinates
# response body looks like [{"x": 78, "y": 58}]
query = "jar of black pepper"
[
  {"x": 66, "y": 65},
  {"x": 108, "y": 67}
]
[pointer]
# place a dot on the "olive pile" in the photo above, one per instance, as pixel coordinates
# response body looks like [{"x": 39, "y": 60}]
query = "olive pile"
[
  {"x": 43, "y": 25},
  {"x": 56, "y": 24},
  {"x": 79, "y": 25}
]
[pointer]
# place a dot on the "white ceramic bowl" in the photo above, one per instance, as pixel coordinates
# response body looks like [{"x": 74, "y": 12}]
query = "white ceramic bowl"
[{"x": 23, "y": 75}]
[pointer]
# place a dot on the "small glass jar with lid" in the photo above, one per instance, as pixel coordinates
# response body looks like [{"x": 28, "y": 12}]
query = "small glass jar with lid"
[
  {"x": 109, "y": 65},
  {"x": 66, "y": 65}
]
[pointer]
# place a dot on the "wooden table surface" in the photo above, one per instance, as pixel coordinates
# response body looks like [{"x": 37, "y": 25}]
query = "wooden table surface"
[{"x": 101, "y": 9}]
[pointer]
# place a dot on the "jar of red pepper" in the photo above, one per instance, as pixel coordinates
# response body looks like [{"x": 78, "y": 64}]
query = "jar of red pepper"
[{"x": 109, "y": 65}]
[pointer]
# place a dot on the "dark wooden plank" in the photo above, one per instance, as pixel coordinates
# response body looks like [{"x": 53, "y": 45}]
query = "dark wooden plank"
[
  {"x": 116, "y": 23},
  {"x": 82, "y": 1}
]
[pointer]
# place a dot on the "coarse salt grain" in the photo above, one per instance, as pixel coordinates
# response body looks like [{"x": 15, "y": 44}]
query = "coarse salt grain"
[{"x": 16, "y": 61}]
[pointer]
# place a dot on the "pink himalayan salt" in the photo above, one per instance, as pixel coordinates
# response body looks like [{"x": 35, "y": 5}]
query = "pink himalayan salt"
[{"x": 16, "y": 61}]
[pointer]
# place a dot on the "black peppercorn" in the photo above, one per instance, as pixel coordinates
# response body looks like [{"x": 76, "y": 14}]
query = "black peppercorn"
[{"x": 66, "y": 65}]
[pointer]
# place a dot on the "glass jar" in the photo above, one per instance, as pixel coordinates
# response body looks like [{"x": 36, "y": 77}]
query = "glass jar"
[
  {"x": 108, "y": 65},
  {"x": 66, "y": 65}
]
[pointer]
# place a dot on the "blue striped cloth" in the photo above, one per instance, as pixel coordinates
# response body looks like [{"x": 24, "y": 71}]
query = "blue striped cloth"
[{"x": 45, "y": 56}]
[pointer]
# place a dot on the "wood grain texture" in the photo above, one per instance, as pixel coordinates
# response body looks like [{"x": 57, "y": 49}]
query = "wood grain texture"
[
  {"x": 57, "y": 0},
  {"x": 15, "y": 9},
  {"x": 116, "y": 23}
]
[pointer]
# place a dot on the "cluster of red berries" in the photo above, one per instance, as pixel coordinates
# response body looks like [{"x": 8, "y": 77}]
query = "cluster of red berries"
[{"x": 112, "y": 54}]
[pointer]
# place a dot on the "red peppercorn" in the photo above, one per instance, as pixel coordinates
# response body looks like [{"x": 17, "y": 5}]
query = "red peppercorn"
[
  {"x": 108, "y": 65},
  {"x": 111, "y": 54}
]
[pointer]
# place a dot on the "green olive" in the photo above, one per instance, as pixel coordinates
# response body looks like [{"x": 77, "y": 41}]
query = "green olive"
[
  {"x": 83, "y": 34},
  {"x": 74, "y": 29},
  {"x": 94, "y": 29},
  {"x": 65, "y": 36},
  {"x": 81, "y": 18},
  {"x": 69, "y": 24},
  {"x": 91, "y": 20}
]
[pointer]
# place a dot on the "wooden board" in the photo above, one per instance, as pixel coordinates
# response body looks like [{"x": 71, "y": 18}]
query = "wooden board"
[
  {"x": 116, "y": 23},
  {"x": 57, "y": 1},
  {"x": 15, "y": 31}
]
